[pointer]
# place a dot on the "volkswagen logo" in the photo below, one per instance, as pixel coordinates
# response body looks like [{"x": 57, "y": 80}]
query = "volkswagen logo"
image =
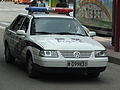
[{"x": 76, "y": 54}]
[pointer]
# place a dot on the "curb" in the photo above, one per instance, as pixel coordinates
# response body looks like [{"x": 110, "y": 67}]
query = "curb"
[
  {"x": 114, "y": 60},
  {"x": 3, "y": 24}
]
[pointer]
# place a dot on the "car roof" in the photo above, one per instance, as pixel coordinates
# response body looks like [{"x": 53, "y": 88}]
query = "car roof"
[{"x": 51, "y": 15}]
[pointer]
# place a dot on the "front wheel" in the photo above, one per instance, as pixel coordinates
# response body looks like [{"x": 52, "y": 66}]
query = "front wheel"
[
  {"x": 30, "y": 67},
  {"x": 8, "y": 57}
]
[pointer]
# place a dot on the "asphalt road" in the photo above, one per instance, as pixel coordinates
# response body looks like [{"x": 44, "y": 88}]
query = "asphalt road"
[
  {"x": 9, "y": 10},
  {"x": 14, "y": 76}
]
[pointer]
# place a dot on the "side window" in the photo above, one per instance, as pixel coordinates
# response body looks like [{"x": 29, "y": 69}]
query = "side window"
[
  {"x": 12, "y": 24},
  {"x": 17, "y": 23},
  {"x": 25, "y": 24}
]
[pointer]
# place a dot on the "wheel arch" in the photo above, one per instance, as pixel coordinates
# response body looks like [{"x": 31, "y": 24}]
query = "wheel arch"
[{"x": 28, "y": 53}]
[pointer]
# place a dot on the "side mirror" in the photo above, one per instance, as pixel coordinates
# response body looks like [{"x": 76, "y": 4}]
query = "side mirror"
[
  {"x": 21, "y": 32},
  {"x": 91, "y": 33}
]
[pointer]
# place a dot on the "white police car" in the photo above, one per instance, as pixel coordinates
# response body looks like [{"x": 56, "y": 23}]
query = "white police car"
[{"x": 53, "y": 42}]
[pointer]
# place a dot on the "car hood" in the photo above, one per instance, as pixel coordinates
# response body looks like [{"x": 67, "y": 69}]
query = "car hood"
[{"x": 66, "y": 42}]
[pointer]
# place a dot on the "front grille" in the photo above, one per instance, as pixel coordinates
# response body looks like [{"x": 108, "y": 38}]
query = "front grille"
[{"x": 72, "y": 54}]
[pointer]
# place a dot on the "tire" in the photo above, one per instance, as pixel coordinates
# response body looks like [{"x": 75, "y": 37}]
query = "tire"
[
  {"x": 30, "y": 67},
  {"x": 93, "y": 75},
  {"x": 8, "y": 57}
]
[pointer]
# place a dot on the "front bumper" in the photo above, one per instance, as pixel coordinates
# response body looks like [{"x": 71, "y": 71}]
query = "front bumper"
[
  {"x": 60, "y": 65},
  {"x": 56, "y": 62},
  {"x": 69, "y": 70}
]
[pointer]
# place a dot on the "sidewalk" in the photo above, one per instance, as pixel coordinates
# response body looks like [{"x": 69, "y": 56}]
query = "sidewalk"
[{"x": 114, "y": 57}]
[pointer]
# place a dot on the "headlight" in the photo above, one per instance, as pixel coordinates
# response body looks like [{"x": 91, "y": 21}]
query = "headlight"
[
  {"x": 48, "y": 53},
  {"x": 102, "y": 53}
]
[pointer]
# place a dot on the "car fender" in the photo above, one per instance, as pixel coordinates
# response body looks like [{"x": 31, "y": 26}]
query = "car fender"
[{"x": 30, "y": 49}]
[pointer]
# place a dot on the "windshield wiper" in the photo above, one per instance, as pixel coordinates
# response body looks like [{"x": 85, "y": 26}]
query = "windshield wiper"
[
  {"x": 43, "y": 32},
  {"x": 67, "y": 33}
]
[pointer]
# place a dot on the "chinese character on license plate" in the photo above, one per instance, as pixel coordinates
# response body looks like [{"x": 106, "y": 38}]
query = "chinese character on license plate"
[{"x": 77, "y": 64}]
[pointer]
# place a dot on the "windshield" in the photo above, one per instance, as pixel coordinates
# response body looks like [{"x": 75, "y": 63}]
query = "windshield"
[{"x": 56, "y": 26}]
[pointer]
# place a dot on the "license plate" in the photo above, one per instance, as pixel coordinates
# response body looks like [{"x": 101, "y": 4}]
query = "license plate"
[{"x": 77, "y": 64}]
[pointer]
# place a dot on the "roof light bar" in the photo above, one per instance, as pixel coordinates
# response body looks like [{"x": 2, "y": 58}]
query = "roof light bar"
[
  {"x": 63, "y": 10},
  {"x": 36, "y": 9},
  {"x": 49, "y": 9}
]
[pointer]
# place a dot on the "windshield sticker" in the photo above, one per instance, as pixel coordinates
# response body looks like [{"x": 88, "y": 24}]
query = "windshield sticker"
[{"x": 60, "y": 40}]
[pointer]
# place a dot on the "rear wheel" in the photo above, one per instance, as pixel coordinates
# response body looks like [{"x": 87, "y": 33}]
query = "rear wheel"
[
  {"x": 8, "y": 57},
  {"x": 30, "y": 67}
]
